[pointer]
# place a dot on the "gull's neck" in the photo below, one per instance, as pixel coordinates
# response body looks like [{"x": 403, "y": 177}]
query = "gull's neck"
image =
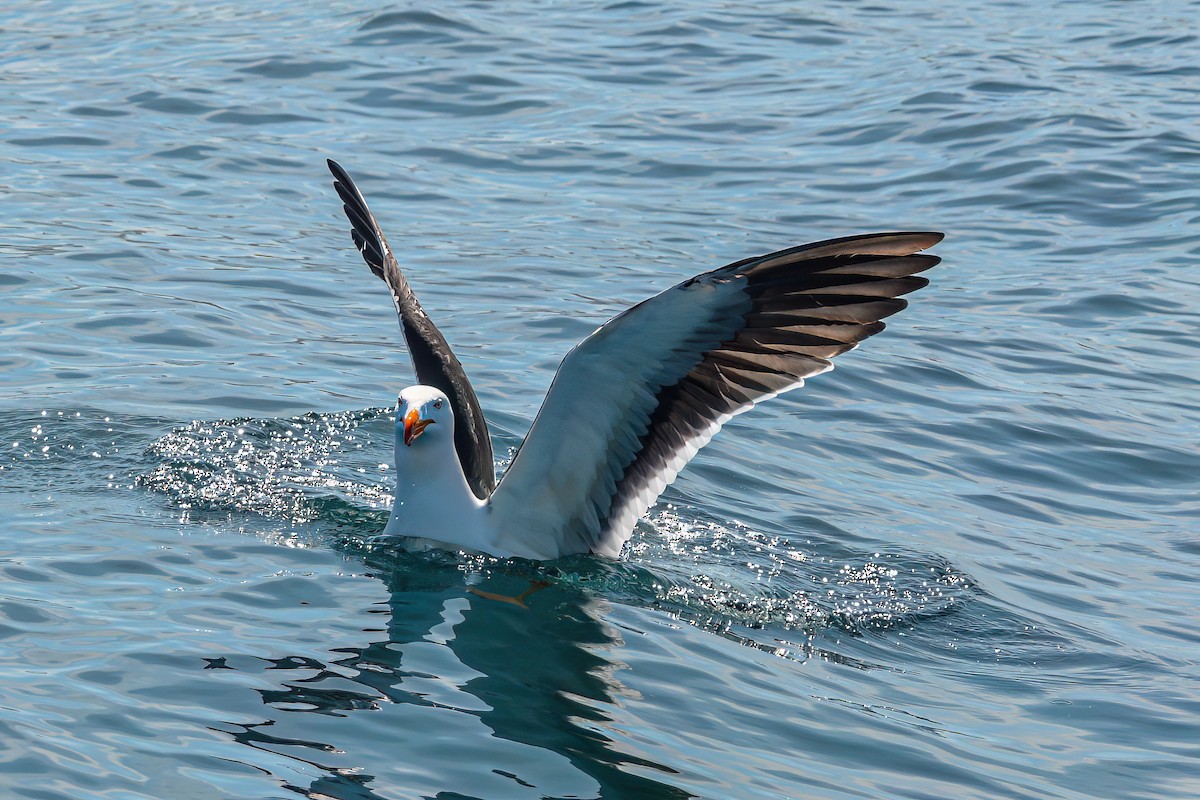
[{"x": 433, "y": 499}]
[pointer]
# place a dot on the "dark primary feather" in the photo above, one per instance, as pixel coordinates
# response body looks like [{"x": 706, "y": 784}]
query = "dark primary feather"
[{"x": 432, "y": 358}]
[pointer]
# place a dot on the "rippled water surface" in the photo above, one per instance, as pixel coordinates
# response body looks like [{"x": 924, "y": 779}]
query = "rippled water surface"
[{"x": 964, "y": 564}]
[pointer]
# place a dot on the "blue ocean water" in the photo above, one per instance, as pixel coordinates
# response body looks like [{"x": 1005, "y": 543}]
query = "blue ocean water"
[{"x": 963, "y": 564}]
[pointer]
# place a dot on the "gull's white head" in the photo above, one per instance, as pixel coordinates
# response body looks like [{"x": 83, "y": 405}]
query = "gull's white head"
[
  {"x": 424, "y": 412},
  {"x": 433, "y": 501}
]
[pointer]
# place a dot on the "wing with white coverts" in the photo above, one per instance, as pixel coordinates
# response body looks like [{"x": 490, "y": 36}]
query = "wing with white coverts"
[{"x": 635, "y": 401}]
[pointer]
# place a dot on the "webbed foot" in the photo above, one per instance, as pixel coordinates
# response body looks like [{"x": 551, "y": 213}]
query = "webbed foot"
[{"x": 516, "y": 600}]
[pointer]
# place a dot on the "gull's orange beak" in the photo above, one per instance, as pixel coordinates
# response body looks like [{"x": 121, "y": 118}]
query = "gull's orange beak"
[{"x": 413, "y": 425}]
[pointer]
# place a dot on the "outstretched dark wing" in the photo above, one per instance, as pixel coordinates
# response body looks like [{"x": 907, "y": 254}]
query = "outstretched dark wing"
[
  {"x": 638, "y": 398},
  {"x": 432, "y": 358}
]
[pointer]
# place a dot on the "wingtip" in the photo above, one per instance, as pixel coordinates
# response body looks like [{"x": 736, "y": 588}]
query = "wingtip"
[
  {"x": 909, "y": 241},
  {"x": 912, "y": 241},
  {"x": 338, "y": 172},
  {"x": 917, "y": 240}
]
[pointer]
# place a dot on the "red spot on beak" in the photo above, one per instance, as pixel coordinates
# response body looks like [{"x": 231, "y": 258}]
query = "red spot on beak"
[{"x": 413, "y": 425}]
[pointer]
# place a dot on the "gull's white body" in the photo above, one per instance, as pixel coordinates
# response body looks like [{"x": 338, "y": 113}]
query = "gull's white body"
[{"x": 433, "y": 500}]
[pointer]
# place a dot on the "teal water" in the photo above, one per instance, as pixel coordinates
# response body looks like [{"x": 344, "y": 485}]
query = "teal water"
[{"x": 963, "y": 564}]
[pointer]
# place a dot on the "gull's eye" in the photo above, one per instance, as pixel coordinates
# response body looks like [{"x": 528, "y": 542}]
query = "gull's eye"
[{"x": 437, "y": 404}]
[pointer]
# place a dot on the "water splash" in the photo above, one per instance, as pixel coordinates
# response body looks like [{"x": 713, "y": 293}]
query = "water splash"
[
  {"x": 307, "y": 468},
  {"x": 718, "y": 575},
  {"x": 330, "y": 470}
]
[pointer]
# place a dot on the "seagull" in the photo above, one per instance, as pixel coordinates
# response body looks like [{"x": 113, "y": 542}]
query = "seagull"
[{"x": 632, "y": 403}]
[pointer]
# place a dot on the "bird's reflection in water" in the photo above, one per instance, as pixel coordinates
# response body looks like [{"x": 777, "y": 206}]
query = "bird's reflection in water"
[{"x": 461, "y": 696}]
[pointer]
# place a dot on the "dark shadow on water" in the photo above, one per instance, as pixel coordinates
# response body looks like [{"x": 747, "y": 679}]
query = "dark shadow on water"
[{"x": 538, "y": 676}]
